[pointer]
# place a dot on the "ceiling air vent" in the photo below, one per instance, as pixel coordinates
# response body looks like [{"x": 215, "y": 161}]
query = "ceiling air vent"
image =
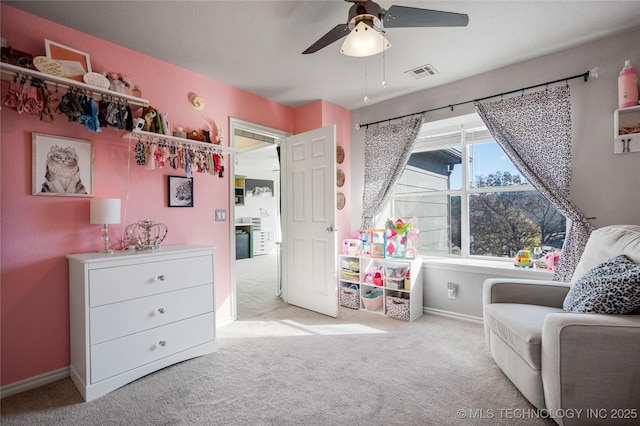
[{"x": 422, "y": 71}]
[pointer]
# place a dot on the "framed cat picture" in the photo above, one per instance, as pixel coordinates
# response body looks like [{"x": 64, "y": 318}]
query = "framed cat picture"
[
  {"x": 62, "y": 166},
  {"x": 180, "y": 191}
]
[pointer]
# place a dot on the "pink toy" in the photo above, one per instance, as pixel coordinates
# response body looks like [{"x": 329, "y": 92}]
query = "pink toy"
[
  {"x": 351, "y": 247},
  {"x": 377, "y": 278},
  {"x": 551, "y": 259}
]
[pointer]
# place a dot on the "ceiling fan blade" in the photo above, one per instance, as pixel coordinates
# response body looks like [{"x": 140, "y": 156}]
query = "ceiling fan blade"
[
  {"x": 405, "y": 17},
  {"x": 334, "y": 35}
]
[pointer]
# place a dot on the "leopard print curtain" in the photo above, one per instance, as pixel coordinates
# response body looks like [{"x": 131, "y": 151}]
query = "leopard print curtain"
[
  {"x": 387, "y": 149},
  {"x": 534, "y": 130}
]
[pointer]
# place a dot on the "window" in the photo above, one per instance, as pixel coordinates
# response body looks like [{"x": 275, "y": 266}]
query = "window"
[{"x": 469, "y": 198}]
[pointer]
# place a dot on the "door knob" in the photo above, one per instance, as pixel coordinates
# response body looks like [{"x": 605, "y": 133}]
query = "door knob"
[{"x": 331, "y": 229}]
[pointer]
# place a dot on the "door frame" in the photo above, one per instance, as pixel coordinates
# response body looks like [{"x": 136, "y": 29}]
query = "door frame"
[{"x": 238, "y": 124}]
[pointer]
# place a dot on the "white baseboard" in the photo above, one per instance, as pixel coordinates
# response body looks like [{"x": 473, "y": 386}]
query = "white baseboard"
[
  {"x": 34, "y": 382},
  {"x": 225, "y": 321},
  {"x": 456, "y": 315}
]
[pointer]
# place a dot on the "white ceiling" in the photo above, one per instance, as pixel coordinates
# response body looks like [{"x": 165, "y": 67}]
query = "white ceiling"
[{"x": 257, "y": 45}]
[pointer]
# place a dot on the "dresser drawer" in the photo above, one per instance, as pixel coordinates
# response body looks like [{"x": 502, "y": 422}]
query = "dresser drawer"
[
  {"x": 117, "y": 356},
  {"x": 118, "y": 283},
  {"x": 115, "y": 320}
]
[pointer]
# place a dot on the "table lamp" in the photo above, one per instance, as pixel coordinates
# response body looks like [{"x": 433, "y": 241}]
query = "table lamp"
[{"x": 105, "y": 211}]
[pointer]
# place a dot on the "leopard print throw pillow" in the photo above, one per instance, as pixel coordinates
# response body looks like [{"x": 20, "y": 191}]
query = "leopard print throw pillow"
[{"x": 612, "y": 287}]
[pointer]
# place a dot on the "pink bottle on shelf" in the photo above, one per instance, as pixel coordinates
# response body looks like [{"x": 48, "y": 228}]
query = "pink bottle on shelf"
[{"x": 627, "y": 86}]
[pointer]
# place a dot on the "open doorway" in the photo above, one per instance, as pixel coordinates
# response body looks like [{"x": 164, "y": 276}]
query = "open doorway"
[{"x": 255, "y": 218}]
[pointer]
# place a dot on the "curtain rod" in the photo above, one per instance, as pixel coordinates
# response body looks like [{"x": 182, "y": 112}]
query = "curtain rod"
[{"x": 591, "y": 73}]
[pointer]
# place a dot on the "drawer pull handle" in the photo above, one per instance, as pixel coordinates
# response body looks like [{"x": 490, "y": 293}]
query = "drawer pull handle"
[
  {"x": 161, "y": 310},
  {"x": 160, "y": 278},
  {"x": 162, "y": 342}
]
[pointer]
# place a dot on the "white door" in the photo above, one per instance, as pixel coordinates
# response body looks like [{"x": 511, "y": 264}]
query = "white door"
[{"x": 309, "y": 216}]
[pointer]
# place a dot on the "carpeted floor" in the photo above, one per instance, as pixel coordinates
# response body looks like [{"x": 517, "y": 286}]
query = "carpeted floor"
[
  {"x": 290, "y": 366},
  {"x": 257, "y": 285}
]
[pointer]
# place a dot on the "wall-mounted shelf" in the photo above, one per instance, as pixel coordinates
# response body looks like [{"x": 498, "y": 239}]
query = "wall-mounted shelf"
[
  {"x": 9, "y": 72},
  {"x": 158, "y": 138},
  {"x": 626, "y": 125}
]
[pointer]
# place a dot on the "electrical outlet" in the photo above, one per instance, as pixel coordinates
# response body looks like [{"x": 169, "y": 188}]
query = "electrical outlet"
[
  {"x": 452, "y": 289},
  {"x": 3, "y": 42}
]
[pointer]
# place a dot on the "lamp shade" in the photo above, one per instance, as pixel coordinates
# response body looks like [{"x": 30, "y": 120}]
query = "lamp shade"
[
  {"x": 105, "y": 211},
  {"x": 364, "y": 40}
]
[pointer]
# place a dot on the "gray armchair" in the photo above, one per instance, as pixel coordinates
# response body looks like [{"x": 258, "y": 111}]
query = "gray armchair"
[{"x": 569, "y": 361}]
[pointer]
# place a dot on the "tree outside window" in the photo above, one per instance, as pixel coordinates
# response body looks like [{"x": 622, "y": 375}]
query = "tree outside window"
[{"x": 494, "y": 214}]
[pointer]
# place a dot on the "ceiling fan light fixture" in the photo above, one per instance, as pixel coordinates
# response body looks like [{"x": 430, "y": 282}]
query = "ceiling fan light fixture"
[{"x": 364, "y": 40}]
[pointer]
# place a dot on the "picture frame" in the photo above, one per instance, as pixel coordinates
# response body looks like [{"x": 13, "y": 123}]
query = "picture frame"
[
  {"x": 258, "y": 188},
  {"x": 61, "y": 166},
  {"x": 74, "y": 62},
  {"x": 180, "y": 191}
]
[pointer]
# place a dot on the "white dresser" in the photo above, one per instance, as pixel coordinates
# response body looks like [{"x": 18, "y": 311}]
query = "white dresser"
[{"x": 132, "y": 313}]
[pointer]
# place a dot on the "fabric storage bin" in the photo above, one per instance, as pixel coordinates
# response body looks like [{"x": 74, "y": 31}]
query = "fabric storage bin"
[
  {"x": 398, "y": 308},
  {"x": 372, "y": 300},
  {"x": 350, "y": 297}
]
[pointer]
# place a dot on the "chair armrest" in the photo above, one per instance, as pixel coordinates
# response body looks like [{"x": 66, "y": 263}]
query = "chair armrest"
[
  {"x": 530, "y": 292},
  {"x": 591, "y": 361}
]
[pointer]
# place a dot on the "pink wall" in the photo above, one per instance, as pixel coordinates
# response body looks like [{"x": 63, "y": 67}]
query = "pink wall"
[
  {"x": 38, "y": 231},
  {"x": 320, "y": 114},
  {"x": 333, "y": 114}
]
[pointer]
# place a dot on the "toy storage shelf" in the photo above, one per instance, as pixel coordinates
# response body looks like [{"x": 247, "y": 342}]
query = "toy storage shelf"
[
  {"x": 395, "y": 280},
  {"x": 626, "y": 137}
]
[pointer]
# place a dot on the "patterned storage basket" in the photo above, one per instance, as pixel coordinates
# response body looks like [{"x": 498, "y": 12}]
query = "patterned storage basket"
[
  {"x": 350, "y": 297},
  {"x": 398, "y": 308}
]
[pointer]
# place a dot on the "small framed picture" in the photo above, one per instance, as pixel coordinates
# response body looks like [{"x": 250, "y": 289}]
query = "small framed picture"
[
  {"x": 180, "y": 191},
  {"x": 75, "y": 63},
  {"x": 61, "y": 166}
]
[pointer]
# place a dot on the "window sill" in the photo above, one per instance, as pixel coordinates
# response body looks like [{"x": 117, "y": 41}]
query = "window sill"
[{"x": 490, "y": 267}]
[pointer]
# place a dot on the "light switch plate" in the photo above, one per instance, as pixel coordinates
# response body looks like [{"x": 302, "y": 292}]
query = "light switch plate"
[
  {"x": 3, "y": 42},
  {"x": 221, "y": 215}
]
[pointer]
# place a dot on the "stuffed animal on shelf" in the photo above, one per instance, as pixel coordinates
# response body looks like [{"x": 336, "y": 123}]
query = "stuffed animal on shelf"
[{"x": 149, "y": 116}]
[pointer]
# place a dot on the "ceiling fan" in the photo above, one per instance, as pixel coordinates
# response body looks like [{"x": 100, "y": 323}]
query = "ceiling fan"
[{"x": 367, "y": 18}]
